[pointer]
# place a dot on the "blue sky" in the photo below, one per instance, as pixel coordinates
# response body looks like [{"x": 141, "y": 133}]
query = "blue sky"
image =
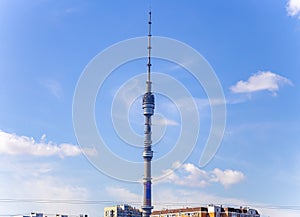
[{"x": 254, "y": 49}]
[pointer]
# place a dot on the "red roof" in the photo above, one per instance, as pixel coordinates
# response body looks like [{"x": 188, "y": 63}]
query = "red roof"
[{"x": 166, "y": 211}]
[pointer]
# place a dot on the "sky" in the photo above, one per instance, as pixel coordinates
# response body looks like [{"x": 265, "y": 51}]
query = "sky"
[{"x": 46, "y": 48}]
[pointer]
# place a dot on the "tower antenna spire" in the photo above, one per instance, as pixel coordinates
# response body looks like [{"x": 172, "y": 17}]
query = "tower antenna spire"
[
  {"x": 149, "y": 46},
  {"x": 148, "y": 106}
]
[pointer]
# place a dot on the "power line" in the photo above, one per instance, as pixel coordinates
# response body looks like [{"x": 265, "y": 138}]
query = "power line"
[
  {"x": 44, "y": 214},
  {"x": 157, "y": 203},
  {"x": 51, "y": 201}
]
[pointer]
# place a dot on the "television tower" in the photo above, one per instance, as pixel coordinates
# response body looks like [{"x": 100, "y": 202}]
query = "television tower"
[{"x": 148, "y": 106}]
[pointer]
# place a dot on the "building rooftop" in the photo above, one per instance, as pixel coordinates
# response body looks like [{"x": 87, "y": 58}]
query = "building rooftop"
[{"x": 246, "y": 210}]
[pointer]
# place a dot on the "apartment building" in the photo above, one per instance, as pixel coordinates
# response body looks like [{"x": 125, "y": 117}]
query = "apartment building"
[
  {"x": 124, "y": 210},
  {"x": 208, "y": 211}
]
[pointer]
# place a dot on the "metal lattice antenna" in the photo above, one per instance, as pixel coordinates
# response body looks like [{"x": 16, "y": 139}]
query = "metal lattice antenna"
[
  {"x": 148, "y": 86},
  {"x": 149, "y": 47}
]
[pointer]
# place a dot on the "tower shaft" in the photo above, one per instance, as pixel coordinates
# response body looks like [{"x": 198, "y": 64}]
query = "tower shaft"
[{"x": 148, "y": 106}]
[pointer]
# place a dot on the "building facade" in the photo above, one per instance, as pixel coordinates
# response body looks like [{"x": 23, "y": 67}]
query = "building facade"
[
  {"x": 124, "y": 210},
  {"x": 208, "y": 211}
]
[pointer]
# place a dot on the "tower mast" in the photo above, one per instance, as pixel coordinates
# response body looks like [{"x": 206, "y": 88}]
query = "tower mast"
[{"x": 148, "y": 106}]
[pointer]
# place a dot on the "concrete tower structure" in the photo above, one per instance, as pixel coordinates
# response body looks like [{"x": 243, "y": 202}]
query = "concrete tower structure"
[{"x": 148, "y": 106}]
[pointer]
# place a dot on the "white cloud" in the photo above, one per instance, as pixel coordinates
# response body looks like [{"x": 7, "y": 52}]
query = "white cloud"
[
  {"x": 189, "y": 175},
  {"x": 172, "y": 198},
  {"x": 293, "y": 8},
  {"x": 192, "y": 176},
  {"x": 54, "y": 87},
  {"x": 45, "y": 188},
  {"x": 71, "y": 10},
  {"x": 165, "y": 122},
  {"x": 262, "y": 80},
  {"x": 50, "y": 187},
  {"x": 34, "y": 180},
  {"x": 121, "y": 194},
  {"x": 13, "y": 144},
  {"x": 228, "y": 177}
]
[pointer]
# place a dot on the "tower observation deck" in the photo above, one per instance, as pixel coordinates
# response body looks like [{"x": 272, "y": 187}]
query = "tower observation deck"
[{"x": 148, "y": 107}]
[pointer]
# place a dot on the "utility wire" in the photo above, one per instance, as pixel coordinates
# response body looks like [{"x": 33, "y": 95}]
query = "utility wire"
[
  {"x": 157, "y": 203},
  {"x": 167, "y": 204},
  {"x": 50, "y": 201}
]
